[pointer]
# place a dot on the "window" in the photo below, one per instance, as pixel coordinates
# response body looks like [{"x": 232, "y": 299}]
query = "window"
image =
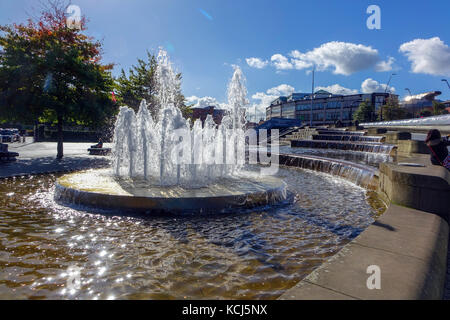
[
  {"x": 332, "y": 116},
  {"x": 346, "y": 115}
]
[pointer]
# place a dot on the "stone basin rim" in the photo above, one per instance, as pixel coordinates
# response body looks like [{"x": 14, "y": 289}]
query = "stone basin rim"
[{"x": 256, "y": 193}]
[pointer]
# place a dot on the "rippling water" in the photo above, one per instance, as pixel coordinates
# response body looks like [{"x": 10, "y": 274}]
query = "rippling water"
[{"x": 48, "y": 251}]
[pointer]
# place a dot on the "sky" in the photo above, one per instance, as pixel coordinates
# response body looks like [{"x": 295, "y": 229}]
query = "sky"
[{"x": 275, "y": 43}]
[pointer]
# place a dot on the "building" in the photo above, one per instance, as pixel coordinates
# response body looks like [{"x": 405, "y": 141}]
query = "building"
[
  {"x": 447, "y": 105},
  {"x": 327, "y": 108},
  {"x": 202, "y": 113},
  {"x": 415, "y": 104}
]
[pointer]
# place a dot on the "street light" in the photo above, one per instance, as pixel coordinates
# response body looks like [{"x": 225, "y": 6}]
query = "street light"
[
  {"x": 410, "y": 95},
  {"x": 312, "y": 98},
  {"x": 445, "y": 80}
]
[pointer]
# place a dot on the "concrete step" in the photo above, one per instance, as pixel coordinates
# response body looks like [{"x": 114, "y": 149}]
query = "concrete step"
[
  {"x": 345, "y": 145},
  {"x": 339, "y": 132},
  {"x": 335, "y": 137}
]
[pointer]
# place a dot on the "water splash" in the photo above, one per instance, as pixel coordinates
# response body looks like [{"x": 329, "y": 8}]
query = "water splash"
[{"x": 170, "y": 150}]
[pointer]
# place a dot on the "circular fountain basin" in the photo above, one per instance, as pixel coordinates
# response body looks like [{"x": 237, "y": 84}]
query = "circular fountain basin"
[{"x": 100, "y": 189}]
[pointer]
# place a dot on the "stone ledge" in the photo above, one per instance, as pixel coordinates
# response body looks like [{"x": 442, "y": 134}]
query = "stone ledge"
[
  {"x": 422, "y": 188},
  {"x": 407, "y": 147},
  {"x": 395, "y": 137},
  {"x": 409, "y": 246}
]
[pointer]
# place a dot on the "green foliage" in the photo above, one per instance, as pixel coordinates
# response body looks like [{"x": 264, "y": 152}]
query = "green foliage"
[
  {"x": 438, "y": 108},
  {"x": 365, "y": 112},
  {"x": 392, "y": 111},
  {"x": 49, "y": 71},
  {"x": 141, "y": 83}
]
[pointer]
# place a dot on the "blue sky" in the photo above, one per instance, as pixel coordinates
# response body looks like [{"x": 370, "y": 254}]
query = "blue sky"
[{"x": 206, "y": 37}]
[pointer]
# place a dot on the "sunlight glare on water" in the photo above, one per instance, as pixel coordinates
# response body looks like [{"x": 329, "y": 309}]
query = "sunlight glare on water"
[{"x": 48, "y": 251}]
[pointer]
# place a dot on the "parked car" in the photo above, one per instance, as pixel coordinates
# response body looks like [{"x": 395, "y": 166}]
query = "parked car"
[{"x": 9, "y": 135}]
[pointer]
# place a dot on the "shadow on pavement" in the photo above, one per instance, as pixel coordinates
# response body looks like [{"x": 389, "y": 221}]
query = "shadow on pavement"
[{"x": 50, "y": 165}]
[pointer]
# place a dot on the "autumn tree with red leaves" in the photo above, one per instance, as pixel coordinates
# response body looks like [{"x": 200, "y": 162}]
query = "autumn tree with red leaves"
[{"x": 51, "y": 71}]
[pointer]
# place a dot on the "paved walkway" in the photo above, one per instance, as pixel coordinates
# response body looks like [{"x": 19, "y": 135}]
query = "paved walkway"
[
  {"x": 35, "y": 158},
  {"x": 425, "y": 159}
]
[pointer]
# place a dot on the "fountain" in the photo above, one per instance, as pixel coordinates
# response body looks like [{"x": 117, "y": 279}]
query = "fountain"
[
  {"x": 166, "y": 163},
  {"x": 162, "y": 162}
]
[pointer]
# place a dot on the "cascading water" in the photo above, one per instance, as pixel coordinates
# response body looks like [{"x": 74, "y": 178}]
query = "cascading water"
[
  {"x": 169, "y": 150},
  {"x": 360, "y": 175}
]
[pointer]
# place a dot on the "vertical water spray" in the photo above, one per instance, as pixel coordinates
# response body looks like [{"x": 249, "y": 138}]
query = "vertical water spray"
[{"x": 169, "y": 150}]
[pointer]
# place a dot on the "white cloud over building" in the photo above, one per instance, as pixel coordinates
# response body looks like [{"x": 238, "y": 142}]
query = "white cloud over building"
[
  {"x": 370, "y": 86},
  {"x": 342, "y": 58}
]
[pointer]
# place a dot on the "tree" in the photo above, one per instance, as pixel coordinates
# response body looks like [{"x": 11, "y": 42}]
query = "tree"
[
  {"x": 439, "y": 108},
  {"x": 51, "y": 72},
  {"x": 141, "y": 83},
  {"x": 365, "y": 112},
  {"x": 392, "y": 110}
]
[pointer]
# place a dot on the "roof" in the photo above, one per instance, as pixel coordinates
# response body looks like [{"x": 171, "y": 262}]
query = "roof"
[
  {"x": 424, "y": 96},
  {"x": 323, "y": 92}
]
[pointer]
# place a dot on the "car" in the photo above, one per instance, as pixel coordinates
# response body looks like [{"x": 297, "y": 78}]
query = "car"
[
  {"x": 16, "y": 135},
  {"x": 9, "y": 135}
]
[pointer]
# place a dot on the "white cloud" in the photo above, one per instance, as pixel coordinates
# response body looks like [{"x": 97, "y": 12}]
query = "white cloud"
[
  {"x": 369, "y": 86},
  {"x": 257, "y": 63},
  {"x": 205, "y": 102},
  {"x": 429, "y": 56},
  {"x": 281, "y": 90},
  {"x": 344, "y": 57},
  {"x": 263, "y": 101},
  {"x": 341, "y": 57},
  {"x": 384, "y": 66},
  {"x": 281, "y": 62},
  {"x": 338, "y": 89}
]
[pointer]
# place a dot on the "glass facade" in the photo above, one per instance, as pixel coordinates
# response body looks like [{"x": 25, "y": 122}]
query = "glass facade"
[{"x": 325, "y": 109}]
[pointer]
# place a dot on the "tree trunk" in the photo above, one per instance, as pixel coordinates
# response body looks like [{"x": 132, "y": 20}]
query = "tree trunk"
[{"x": 60, "y": 154}]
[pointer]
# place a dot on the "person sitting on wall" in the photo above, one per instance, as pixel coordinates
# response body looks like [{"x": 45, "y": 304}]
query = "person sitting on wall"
[
  {"x": 99, "y": 145},
  {"x": 438, "y": 148}
]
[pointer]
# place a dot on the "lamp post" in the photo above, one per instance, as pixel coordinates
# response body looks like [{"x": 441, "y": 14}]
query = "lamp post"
[
  {"x": 410, "y": 95},
  {"x": 445, "y": 80},
  {"x": 312, "y": 98}
]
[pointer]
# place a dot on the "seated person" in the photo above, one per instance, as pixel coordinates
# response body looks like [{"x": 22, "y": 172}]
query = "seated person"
[
  {"x": 99, "y": 145},
  {"x": 438, "y": 148}
]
